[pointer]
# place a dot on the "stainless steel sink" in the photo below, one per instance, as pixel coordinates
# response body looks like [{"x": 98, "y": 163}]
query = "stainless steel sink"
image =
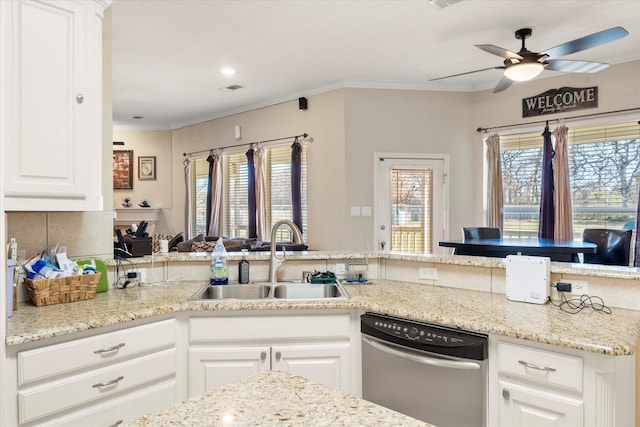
[
  {"x": 308, "y": 291},
  {"x": 265, "y": 290},
  {"x": 232, "y": 291}
]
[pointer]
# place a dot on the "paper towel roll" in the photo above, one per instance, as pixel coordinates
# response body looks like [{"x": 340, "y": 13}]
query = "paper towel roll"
[{"x": 164, "y": 246}]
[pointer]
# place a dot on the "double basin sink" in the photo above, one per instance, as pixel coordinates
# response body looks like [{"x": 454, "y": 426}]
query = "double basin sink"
[{"x": 278, "y": 291}]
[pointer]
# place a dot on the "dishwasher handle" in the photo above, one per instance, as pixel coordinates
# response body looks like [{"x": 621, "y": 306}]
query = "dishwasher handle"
[{"x": 425, "y": 360}]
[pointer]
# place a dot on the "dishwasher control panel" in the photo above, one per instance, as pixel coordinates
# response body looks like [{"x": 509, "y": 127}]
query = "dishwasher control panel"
[{"x": 424, "y": 336}]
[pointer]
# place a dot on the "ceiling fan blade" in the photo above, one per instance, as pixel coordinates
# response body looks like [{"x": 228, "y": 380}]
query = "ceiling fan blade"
[
  {"x": 499, "y": 51},
  {"x": 587, "y": 42},
  {"x": 503, "y": 84},
  {"x": 468, "y": 72},
  {"x": 567, "y": 66}
]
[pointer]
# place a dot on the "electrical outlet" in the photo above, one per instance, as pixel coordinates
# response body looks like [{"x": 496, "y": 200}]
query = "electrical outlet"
[
  {"x": 426, "y": 273},
  {"x": 142, "y": 275},
  {"x": 579, "y": 287}
]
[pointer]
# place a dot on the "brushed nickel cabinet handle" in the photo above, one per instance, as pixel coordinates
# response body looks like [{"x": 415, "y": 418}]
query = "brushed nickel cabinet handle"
[
  {"x": 110, "y": 349},
  {"x": 537, "y": 367},
  {"x": 79, "y": 98},
  {"x": 505, "y": 394},
  {"x": 117, "y": 423},
  {"x": 108, "y": 383}
]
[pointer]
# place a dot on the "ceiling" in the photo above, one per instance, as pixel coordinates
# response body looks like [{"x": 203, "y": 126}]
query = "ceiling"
[{"x": 167, "y": 54}]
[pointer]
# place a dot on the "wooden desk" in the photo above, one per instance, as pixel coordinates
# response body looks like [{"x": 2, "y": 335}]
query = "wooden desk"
[{"x": 563, "y": 251}]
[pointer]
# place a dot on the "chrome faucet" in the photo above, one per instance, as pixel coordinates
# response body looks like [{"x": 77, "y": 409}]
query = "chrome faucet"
[{"x": 276, "y": 262}]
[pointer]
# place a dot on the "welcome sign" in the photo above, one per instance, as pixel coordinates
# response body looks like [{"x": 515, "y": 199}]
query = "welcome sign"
[{"x": 560, "y": 100}]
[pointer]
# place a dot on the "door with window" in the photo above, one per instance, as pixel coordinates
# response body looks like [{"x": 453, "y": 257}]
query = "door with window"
[{"x": 410, "y": 203}]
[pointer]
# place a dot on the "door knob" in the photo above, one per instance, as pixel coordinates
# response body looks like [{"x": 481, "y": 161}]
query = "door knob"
[
  {"x": 263, "y": 355},
  {"x": 278, "y": 355},
  {"x": 79, "y": 98}
]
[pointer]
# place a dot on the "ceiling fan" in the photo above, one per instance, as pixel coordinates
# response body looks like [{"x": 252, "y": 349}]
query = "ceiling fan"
[{"x": 525, "y": 65}]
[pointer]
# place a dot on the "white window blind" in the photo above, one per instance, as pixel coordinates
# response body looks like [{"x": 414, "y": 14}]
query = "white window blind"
[
  {"x": 411, "y": 205},
  {"x": 604, "y": 164},
  {"x": 235, "y": 189},
  {"x": 279, "y": 198},
  {"x": 235, "y": 196}
]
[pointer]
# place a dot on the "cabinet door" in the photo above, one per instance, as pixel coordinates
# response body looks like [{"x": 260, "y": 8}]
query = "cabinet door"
[
  {"x": 525, "y": 406},
  {"x": 326, "y": 364},
  {"x": 52, "y": 109},
  {"x": 212, "y": 367}
]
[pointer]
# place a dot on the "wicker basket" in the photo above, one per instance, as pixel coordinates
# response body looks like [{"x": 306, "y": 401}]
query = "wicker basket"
[{"x": 64, "y": 289}]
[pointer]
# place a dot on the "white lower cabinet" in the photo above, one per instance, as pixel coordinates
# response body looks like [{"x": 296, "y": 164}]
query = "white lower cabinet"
[
  {"x": 534, "y": 384},
  {"x": 100, "y": 380},
  {"x": 227, "y": 349},
  {"x": 528, "y": 406}
]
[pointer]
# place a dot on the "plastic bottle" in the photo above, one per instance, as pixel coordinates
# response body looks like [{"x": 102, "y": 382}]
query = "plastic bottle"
[
  {"x": 219, "y": 274},
  {"x": 243, "y": 268}
]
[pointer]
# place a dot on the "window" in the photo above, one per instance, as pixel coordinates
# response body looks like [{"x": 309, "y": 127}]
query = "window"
[
  {"x": 410, "y": 209},
  {"x": 235, "y": 198},
  {"x": 604, "y": 164}
]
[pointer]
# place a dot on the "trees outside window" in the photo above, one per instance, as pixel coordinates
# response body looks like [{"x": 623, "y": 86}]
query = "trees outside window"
[{"x": 604, "y": 163}]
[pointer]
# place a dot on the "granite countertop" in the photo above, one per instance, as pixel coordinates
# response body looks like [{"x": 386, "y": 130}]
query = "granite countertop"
[
  {"x": 610, "y": 334},
  {"x": 275, "y": 398},
  {"x": 594, "y": 270}
]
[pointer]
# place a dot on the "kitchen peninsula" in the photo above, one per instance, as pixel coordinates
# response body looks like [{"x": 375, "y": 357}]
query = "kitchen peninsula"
[
  {"x": 276, "y": 398},
  {"x": 464, "y": 292}
]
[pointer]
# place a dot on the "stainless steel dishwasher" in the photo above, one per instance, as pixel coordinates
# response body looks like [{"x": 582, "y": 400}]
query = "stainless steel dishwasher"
[{"x": 429, "y": 372}]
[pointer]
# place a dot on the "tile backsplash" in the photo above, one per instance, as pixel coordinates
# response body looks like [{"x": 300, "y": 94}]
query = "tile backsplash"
[{"x": 85, "y": 234}]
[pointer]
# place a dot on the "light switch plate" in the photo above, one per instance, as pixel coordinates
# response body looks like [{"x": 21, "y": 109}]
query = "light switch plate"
[{"x": 355, "y": 211}]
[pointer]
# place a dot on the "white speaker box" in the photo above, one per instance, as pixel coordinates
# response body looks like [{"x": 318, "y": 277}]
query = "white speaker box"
[{"x": 528, "y": 278}]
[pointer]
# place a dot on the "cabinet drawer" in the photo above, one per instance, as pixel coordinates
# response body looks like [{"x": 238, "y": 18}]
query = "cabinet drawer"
[
  {"x": 540, "y": 366},
  {"x": 115, "y": 411},
  {"x": 65, "y": 394},
  {"x": 202, "y": 329},
  {"x": 63, "y": 358}
]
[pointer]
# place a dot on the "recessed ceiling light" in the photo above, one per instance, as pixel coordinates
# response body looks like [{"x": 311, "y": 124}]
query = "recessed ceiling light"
[{"x": 227, "y": 71}]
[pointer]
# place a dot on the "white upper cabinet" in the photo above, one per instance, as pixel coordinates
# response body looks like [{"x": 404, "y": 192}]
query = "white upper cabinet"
[{"x": 51, "y": 81}]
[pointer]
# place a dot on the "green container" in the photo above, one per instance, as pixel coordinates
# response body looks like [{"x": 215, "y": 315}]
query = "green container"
[
  {"x": 103, "y": 284},
  {"x": 323, "y": 280}
]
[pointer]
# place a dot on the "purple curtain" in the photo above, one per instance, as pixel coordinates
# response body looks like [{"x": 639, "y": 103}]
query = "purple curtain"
[
  {"x": 251, "y": 189},
  {"x": 296, "y": 182},
  {"x": 546, "y": 225}
]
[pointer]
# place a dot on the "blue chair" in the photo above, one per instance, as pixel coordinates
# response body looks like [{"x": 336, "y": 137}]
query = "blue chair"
[{"x": 614, "y": 246}]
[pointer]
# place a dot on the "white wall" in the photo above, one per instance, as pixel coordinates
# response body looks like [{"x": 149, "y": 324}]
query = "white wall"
[
  {"x": 349, "y": 125},
  {"x": 402, "y": 121},
  {"x": 618, "y": 89},
  {"x": 324, "y": 121},
  {"x": 156, "y": 192}
]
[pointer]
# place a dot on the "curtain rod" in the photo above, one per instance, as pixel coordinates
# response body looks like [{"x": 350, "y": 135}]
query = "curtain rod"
[
  {"x": 304, "y": 135},
  {"x": 481, "y": 129}
]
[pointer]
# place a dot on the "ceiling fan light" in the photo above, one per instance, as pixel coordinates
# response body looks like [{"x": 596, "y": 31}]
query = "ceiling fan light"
[{"x": 523, "y": 71}]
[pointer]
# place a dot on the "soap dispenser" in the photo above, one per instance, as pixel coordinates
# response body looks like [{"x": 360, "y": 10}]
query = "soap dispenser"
[
  {"x": 243, "y": 268},
  {"x": 219, "y": 275}
]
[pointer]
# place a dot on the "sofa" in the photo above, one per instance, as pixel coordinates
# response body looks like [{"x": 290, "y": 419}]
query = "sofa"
[{"x": 202, "y": 243}]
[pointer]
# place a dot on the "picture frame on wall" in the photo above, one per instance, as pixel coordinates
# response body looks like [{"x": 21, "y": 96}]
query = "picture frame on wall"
[
  {"x": 146, "y": 167},
  {"x": 122, "y": 169}
]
